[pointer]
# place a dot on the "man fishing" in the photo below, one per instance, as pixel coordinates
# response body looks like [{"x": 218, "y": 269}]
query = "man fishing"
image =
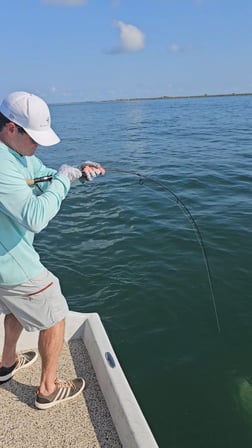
[{"x": 30, "y": 295}]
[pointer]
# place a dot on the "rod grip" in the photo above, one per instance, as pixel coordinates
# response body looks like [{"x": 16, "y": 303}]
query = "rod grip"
[{"x": 37, "y": 180}]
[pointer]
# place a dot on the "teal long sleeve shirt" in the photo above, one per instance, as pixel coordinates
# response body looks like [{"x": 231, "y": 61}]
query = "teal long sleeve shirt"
[{"x": 23, "y": 213}]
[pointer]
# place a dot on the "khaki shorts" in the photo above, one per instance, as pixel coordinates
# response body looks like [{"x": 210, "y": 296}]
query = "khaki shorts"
[{"x": 37, "y": 304}]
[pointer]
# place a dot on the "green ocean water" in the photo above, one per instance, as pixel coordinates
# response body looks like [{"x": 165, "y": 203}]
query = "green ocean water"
[{"x": 126, "y": 250}]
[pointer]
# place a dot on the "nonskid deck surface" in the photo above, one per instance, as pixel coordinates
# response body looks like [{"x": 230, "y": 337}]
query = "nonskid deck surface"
[{"x": 84, "y": 422}]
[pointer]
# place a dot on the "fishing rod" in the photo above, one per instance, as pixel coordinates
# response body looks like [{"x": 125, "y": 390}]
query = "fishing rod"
[{"x": 181, "y": 205}]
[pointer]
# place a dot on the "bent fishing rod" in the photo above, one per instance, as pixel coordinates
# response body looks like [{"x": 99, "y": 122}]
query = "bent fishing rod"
[{"x": 182, "y": 206}]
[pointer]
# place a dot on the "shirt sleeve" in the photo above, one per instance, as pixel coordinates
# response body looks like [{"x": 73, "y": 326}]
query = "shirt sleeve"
[
  {"x": 38, "y": 169},
  {"x": 18, "y": 201}
]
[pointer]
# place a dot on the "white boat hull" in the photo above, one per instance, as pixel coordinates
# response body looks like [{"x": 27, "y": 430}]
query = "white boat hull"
[{"x": 126, "y": 414}]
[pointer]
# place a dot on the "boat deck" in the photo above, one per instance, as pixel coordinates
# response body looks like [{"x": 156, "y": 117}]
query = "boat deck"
[{"x": 84, "y": 422}]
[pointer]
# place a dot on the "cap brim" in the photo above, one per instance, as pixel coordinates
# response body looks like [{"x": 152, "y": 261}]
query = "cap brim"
[{"x": 43, "y": 138}]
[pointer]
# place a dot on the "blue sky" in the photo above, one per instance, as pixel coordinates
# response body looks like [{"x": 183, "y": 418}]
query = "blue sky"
[{"x": 82, "y": 50}]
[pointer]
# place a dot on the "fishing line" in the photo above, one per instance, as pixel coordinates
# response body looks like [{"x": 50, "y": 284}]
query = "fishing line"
[
  {"x": 182, "y": 206},
  {"x": 195, "y": 226}
]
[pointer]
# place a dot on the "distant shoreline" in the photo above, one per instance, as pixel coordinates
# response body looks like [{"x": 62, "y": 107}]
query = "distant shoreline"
[
  {"x": 165, "y": 97},
  {"x": 206, "y": 95}
]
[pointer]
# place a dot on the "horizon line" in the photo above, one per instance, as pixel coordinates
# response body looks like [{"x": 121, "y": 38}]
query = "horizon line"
[{"x": 164, "y": 97}]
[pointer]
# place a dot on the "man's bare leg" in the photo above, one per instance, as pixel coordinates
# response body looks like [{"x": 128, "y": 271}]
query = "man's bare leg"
[
  {"x": 12, "y": 329},
  {"x": 50, "y": 345}
]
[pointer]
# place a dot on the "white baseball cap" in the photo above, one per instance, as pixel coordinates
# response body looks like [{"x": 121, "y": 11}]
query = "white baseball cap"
[{"x": 32, "y": 114}]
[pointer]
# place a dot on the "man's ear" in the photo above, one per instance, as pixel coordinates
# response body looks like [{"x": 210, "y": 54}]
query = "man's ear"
[{"x": 11, "y": 127}]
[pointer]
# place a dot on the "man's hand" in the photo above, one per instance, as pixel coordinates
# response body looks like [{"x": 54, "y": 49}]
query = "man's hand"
[
  {"x": 71, "y": 172},
  {"x": 91, "y": 169}
]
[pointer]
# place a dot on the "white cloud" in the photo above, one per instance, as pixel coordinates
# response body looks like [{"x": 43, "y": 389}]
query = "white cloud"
[
  {"x": 174, "y": 48},
  {"x": 66, "y": 2},
  {"x": 131, "y": 38}
]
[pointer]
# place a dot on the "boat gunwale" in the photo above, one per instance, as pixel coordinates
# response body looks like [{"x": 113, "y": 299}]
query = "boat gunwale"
[{"x": 130, "y": 423}]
